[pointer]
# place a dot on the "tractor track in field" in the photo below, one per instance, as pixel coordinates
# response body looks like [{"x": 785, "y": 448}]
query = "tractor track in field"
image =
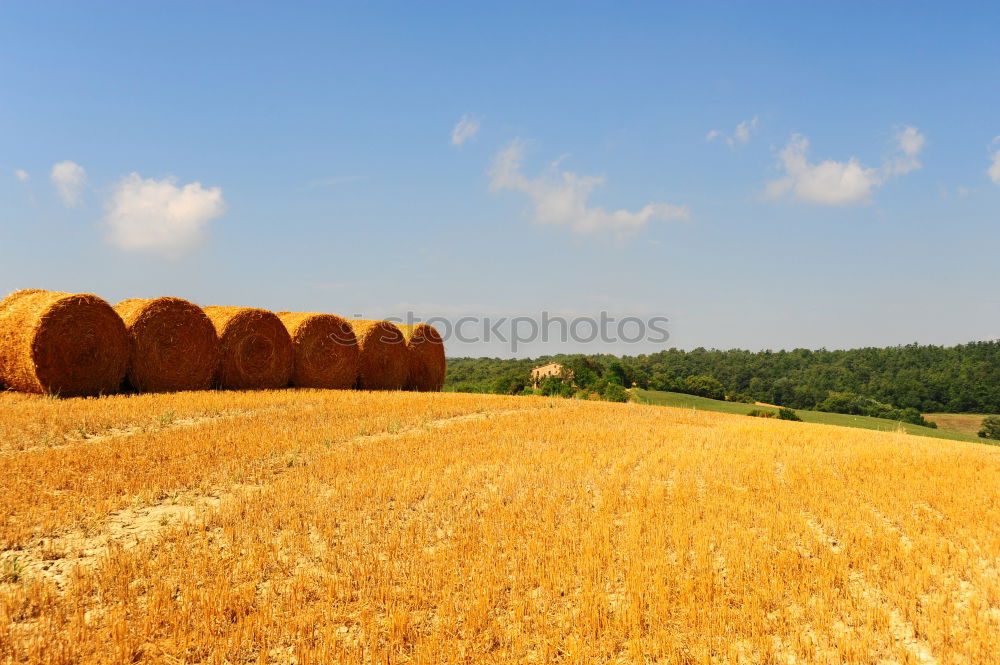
[
  {"x": 56, "y": 556},
  {"x": 112, "y": 433},
  {"x": 900, "y": 629}
]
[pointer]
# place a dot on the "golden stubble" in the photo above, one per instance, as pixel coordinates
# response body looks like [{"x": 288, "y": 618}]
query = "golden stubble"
[{"x": 326, "y": 526}]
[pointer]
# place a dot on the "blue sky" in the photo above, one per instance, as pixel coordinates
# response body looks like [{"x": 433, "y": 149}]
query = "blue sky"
[{"x": 766, "y": 176}]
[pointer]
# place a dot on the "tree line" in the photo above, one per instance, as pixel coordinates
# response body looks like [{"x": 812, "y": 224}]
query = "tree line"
[{"x": 895, "y": 382}]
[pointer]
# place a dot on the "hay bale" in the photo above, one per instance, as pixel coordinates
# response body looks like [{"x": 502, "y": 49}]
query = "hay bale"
[
  {"x": 324, "y": 348},
  {"x": 382, "y": 355},
  {"x": 61, "y": 343},
  {"x": 255, "y": 351},
  {"x": 173, "y": 345},
  {"x": 424, "y": 357}
]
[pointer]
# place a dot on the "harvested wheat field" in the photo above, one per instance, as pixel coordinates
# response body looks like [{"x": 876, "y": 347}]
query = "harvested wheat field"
[{"x": 334, "y": 526}]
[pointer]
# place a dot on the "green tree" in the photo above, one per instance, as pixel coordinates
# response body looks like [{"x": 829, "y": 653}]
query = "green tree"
[
  {"x": 758, "y": 388},
  {"x": 511, "y": 383},
  {"x": 788, "y": 414},
  {"x": 550, "y": 385},
  {"x": 616, "y": 372},
  {"x": 991, "y": 428},
  {"x": 704, "y": 386},
  {"x": 615, "y": 393},
  {"x": 583, "y": 371},
  {"x": 640, "y": 379},
  {"x": 664, "y": 382}
]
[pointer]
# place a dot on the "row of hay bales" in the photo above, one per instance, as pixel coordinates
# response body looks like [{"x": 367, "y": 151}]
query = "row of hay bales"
[{"x": 78, "y": 345}]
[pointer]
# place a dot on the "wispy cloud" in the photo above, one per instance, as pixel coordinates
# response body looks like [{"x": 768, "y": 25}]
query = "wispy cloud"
[
  {"x": 159, "y": 216},
  {"x": 22, "y": 175},
  {"x": 465, "y": 129},
  {"x": 957, "y": 192},
  {"x": 560, "y": 197},
  {"x": 909, "y": 143},
  {"x": 835, "y": 183},
  {"x": 69, "y": 178},
  {"x": 994, "y": 170},
  {"x": 741, "y": 133}
]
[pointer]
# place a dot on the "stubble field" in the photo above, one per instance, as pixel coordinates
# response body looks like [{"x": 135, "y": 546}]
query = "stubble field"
[{"x": 326, "y": 527}]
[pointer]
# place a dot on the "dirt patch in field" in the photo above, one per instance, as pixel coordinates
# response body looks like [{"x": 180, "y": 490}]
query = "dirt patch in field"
[{"x": 55, "y": 557}]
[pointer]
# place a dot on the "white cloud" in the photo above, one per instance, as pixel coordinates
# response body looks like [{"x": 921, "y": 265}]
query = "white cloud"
[
  {"x": 22, "y": 175},
  {"x": 741, "y": 135},
  {"x": 69, "y": 178},
  {"x": 909, "y": 143},
  {"x": 958, "y": 192},
  {"x": 158, "y": 216},
  {"x": 560, "y": 197},
  {"x": 994, "y": 170},
  {"x": 466, "y": 128},
  {"x": 827, "y": 183},
  {"x": 841, "y": 183}
]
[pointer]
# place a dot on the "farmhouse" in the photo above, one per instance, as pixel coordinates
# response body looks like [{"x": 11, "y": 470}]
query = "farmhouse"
[{"x": 545, "y": 371}]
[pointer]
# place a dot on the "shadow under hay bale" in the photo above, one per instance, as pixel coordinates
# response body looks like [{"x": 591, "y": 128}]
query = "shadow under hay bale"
[
  {"x": 65, "y": 344},
  {"x": 425, "y": 357},
  {"x": 325, "y": 350},
  {"x": 382, "y": 355},
  {"x": 173, "y": 345},
  {"x": 255, "y": 350}
]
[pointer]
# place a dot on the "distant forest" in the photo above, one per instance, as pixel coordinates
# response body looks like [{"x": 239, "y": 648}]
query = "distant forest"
[{"x": 871, "y": 381}]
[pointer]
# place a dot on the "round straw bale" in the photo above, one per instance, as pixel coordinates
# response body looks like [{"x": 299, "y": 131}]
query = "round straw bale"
[
  {"x": 424, "y": 357},
  {"x": 255, "y": 351},
  {"x": 382, "y": 359},
  {"x": 325, "y": 350},
  {"x": 173, "y": 345},
  {"x": 61, "y": 343}
]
